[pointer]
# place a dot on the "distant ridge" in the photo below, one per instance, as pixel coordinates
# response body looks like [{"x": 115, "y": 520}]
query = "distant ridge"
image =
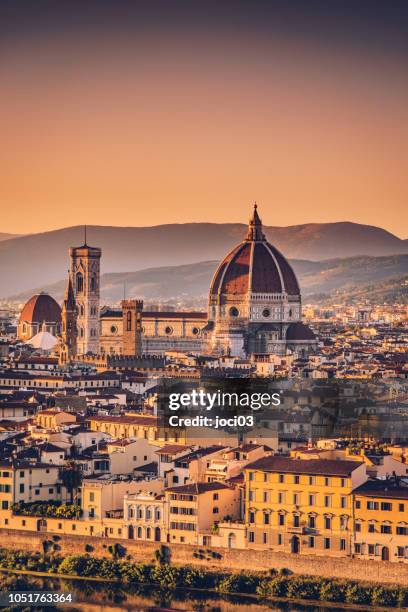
[
  {"x": 354, "y": 275},
  {"x": 42, "y": 259}
]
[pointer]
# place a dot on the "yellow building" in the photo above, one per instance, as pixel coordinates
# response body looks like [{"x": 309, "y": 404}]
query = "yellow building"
[
  {"x": 52, "y": 419},
  {"x": 301, "y": 506},
  {"x": 381, "y": 521},
  {"x": 135, "y": 426},
  {"x": 22, "y": 481}
]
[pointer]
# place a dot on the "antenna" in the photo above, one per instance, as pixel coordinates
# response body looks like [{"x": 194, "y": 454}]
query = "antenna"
[{"x": 85, "y": 235}]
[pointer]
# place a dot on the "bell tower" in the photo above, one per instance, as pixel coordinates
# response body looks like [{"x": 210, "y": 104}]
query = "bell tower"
[
  {"x": 68, "y": 344},
  {"x": 85, "y": 278},
  {"x": 132, "y": 327}
]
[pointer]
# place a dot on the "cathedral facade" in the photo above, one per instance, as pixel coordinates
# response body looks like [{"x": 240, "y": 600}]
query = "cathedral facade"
[{"x": 254, "y": 308}]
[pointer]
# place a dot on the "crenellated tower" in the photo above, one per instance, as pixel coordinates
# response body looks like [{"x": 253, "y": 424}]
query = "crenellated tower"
[{"x": 132, "y": 327}]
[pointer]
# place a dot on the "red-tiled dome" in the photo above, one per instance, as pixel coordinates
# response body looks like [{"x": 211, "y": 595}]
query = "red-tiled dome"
[
  {"x": 254, "y": 265},
  {"x": 41, "y": 308}
]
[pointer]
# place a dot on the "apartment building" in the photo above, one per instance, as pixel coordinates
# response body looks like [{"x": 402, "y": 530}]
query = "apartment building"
[
  {"x": 23, "y": 481},
  {"x": 301, "y": 506},
  {"x": 381, "y": 521},
  {"x": 194, "y": 509}
]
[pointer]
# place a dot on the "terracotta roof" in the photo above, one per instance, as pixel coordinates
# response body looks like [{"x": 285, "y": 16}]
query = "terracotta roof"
[
  {"x": 299, "y": 331},
  {"x": 197, "y": 488},
  {"x": 172, "y": 449},
  {"x": 41, "y": 307},
  {"x": 382, "y": 488},
  {"x": 323, "y": 467}
]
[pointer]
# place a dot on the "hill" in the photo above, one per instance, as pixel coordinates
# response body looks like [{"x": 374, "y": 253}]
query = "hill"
[
  {"x": 44, "y": 256},
  {"x": 192, "y": 281}
]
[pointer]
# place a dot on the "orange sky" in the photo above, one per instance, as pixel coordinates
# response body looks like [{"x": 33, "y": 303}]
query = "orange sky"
[{"x": 172, "y": 129}]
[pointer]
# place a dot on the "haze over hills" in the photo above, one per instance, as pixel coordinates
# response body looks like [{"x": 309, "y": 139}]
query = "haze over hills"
[
  {"x": 41, "y": 259},
  {"x": 192, "y": 281},
  {"x": 5, "y": 236}
]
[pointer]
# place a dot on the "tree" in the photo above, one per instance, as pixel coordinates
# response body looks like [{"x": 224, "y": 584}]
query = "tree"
[{"x": 71, "y": 477}]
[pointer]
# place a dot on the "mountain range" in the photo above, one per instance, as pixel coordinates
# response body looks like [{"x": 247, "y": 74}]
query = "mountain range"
[
  {"x": 191, "y": 281},
  {"x": 38, "y": 260}
]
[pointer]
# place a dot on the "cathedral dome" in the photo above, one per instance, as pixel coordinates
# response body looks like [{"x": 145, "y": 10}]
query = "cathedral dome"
[
  {"x": 254, "y": 266},
  {"x": 41, "y": 307}
]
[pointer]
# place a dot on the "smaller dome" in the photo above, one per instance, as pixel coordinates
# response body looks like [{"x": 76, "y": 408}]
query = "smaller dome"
[
  {"x": 299, "y": 331},
  {"x": 41, "y": 307},
  {"x": 43, "y": 341}
]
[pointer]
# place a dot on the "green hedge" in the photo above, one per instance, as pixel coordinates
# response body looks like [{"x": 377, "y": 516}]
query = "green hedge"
[
  {"x": 276, "y": 584},
  {"x": 49, "y": 509}
]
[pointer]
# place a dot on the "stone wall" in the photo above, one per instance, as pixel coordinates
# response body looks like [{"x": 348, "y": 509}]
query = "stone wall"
[{"x": 225, "y": 559}]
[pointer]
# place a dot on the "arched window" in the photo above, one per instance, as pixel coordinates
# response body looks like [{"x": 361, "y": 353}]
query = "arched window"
[
  {"x": 129, "y": 321},
  {"x": 148, "y": 533},
  {"x": 148, "y": 513},
  {"x": 80, "y": 282},
  {"x": 139, "y": 532},
  {"x": 93, "y": 283}
]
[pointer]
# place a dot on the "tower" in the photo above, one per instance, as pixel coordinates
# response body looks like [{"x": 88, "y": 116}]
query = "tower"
[
  {"x": 68, "y": 342},
  {"x": 85, "y": 276},
  {"x": 132, "y": 327}
]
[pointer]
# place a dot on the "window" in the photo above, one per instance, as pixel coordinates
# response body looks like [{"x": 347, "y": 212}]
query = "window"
[
  {"x": 371, "y": 549},
  {"x": 281, "y": 520},
  {"x": 73, "y": 527},
  {"x": 51, "y": 491},
  {"x": 357, "y": 549},
  {"x": 343, "y": 502},
  {"x": 402, "y": 530},
  {"x": 371, "y": 528},
  {"x": 327, "y": 501},
  {"x": 342, "y": 544},
  {"x": 215, "y": 496},
  {"x": 400, "y": 551},
  {"x": 296, "y": 520},
  {"x": 327, "y": 543},
  {"x": 311, "y": 542},
  {"x": 327, "y": 482},
  {"x": 401, "y": 507},
  {"x": 386, "y": 529},
  {"x": 4, "y": 505},
  {"x": 251, "y": 537},
  {"x": 265, "y": 477},
  {"x": 358, "y": 504},
  {"x": 281, "y": 478},
  {"x": 215, "y": 510},
  {"x": 250, "y": 496},
  {"x": 280, "y": 539},
  {"x": 296, "y": 479},
  {"x": 281, "y": 498},
  {"x": 327, "y": 522},
  {"x": 311, "y": 500},
  {"x": 79, "y": 282},
  {"x": 22, "y": 474},
  {"x": 312, "y": 522},
  {"x": 128, "y": 321},
  {"x": 22, "y": 488},
  {"x": 37, "y": 492},
  {"x": 343, "y": 482},
  {"x": 251, "y": 475},
  {"x": 266, "y": 518},
  {"x": 312, "y": 480},
  {"x": 265, "y": 538},
  {"x": 252, "y": 517},
  {"x": 296, "y": 499},
  {"x": 386, "y": 506},
  {"x": 371, "y": 505},
  {"x": 266, "y": 496}
]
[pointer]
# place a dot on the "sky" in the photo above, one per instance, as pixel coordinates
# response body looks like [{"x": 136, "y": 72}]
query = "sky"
[{"x": 129, "y": 113}]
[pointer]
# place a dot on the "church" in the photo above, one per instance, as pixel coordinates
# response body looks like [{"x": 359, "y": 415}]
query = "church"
[{"x": 254, "y": 309}]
